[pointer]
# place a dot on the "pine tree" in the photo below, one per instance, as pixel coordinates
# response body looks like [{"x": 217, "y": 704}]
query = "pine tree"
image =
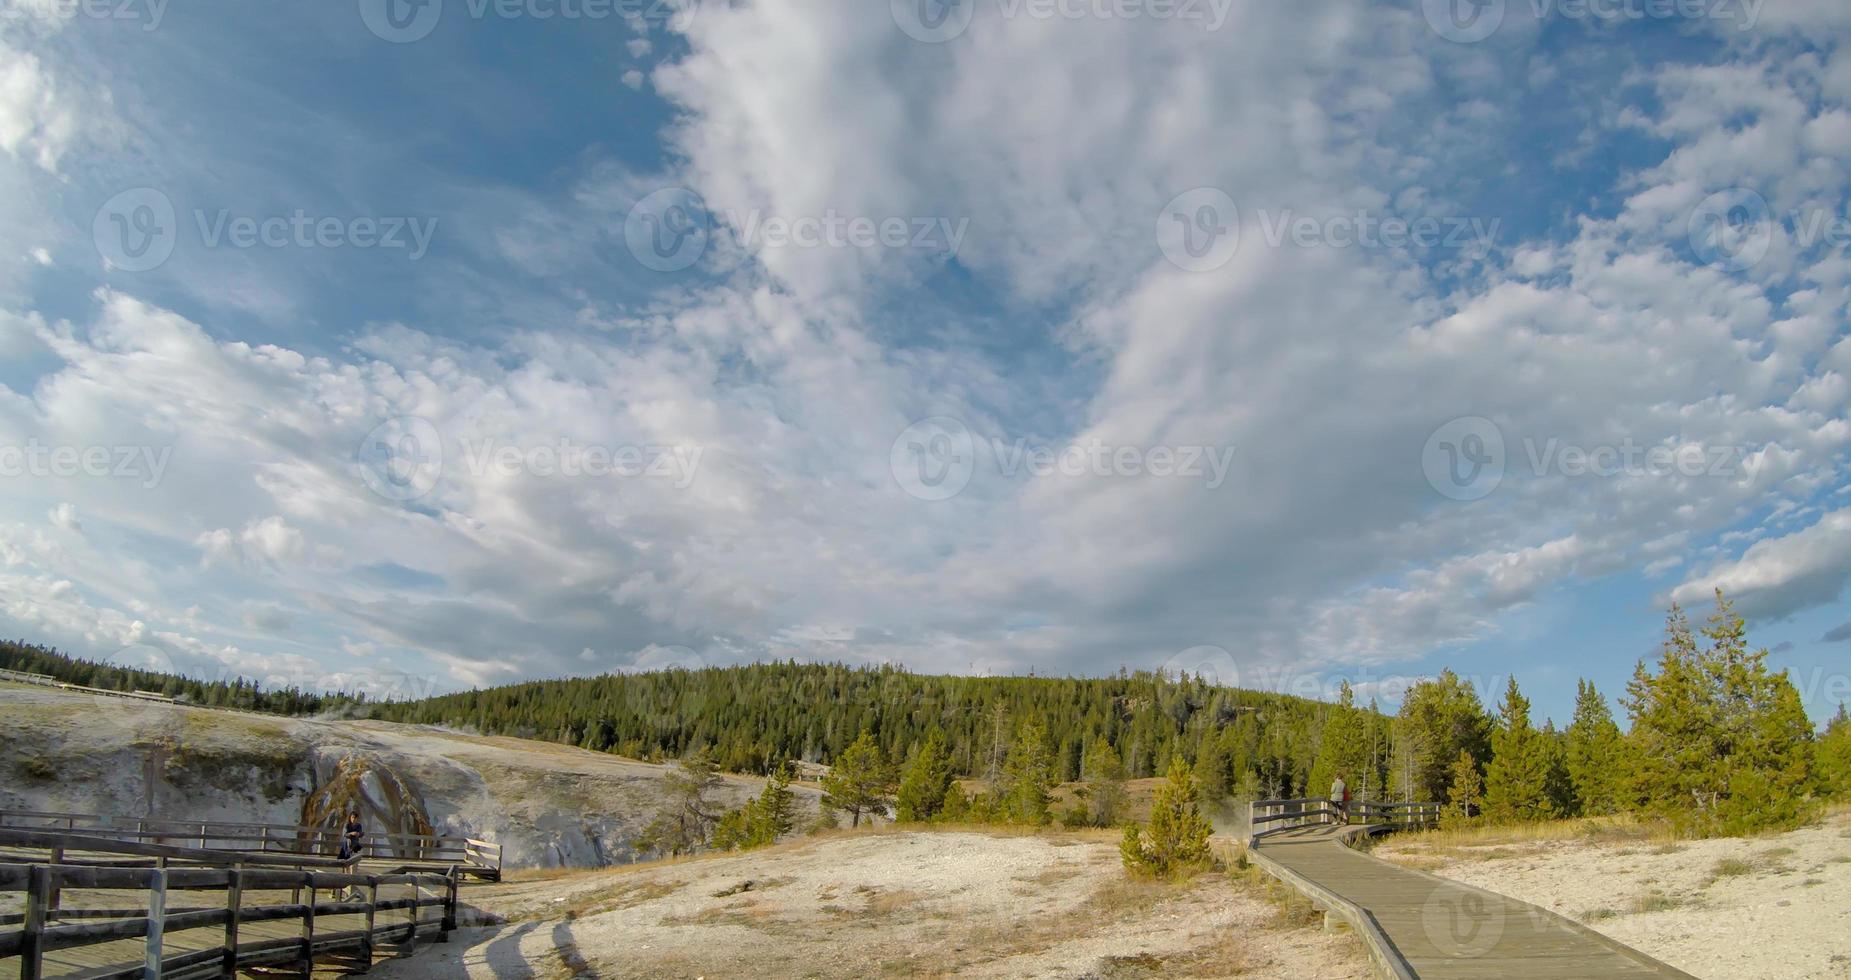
[
  {"x": 1343, "y": 747},
  {"x": 926, "y": 780},
  {"x": 1440, "y": 719},
  {"x": 1596, "y": 757},
  {"x": 1028, "y": 775},
  {"x": 774, "y": 812},
  {"x": 1105, "y": 783},
  {"x": 1517, "y": 778},
  {"x": 687, "y": 816},
  {"x": 1467, "y": 788},
  {"x": 1834, "y": 756},
  {"x": 1175, "y": 841},
  {"x": 860, "y": 780},
  {"x": 1720, "y": 743}
]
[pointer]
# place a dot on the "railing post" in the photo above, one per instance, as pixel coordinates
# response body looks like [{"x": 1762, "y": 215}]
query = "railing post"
[
  {"x": 308, "y": 930},
  {"x": 234, "y": 910},
  {"x": 449, "y": 906},
  {"x": 157, "y": 923},
  {"x": 412, "y": 939},
  {"x": 372, "y": 900},
  {"x": 55, "y": 897},
  {"x": 32, "y": 949}
]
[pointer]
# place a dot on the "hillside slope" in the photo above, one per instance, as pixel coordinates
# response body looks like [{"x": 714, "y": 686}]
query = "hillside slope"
[{"x": 549, "y": 805}]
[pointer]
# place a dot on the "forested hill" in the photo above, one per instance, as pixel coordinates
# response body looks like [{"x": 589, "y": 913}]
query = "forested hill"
[
  {"x": 238, "y": 692},
  {"x": 753, "y": 715},
  {"x": 1244, "y": 742}
]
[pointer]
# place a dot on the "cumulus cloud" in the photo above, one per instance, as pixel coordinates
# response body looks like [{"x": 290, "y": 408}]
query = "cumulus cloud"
[{"x": 409, "y": 495}]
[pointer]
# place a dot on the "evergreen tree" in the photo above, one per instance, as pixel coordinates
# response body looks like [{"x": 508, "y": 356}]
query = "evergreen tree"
[
  {"x": 1175, "y": 841},
  {"x": 1596, "y": 758},
  {"x": 1719, "y": 743},
  {"x": 774, "y": 812},
  {"x": 926, "y": 780},
  {"x": 860, "y": 780},
  {"x": 1559, "y": 786},
  {"x": 1440, "y": 719},
  {"x": 1343, "y": 747},
  {"x": 1467, "y": 790},
  {"x": 688, "y": 815},
  {"x": 1834, "y": 757},
  {"x": 1105, "y": 783},
  {"x": 1517, "y": 777},
  {"x": 1028, "y": 774}
]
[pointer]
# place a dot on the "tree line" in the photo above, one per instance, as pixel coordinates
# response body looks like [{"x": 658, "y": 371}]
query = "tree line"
[
  {"x": 1717, "y": 741},
  {"x": 238, "y": 692}
]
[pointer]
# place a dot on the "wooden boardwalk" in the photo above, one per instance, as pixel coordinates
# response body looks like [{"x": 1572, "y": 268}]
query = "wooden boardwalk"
[{"x": 1421, "y": 925}]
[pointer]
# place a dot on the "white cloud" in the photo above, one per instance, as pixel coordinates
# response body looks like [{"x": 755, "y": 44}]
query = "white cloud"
[{"x": 64, "y": 517}]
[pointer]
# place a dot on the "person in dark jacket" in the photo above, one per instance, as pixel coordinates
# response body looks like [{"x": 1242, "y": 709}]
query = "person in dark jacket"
[{"x": 351, "y": 836}]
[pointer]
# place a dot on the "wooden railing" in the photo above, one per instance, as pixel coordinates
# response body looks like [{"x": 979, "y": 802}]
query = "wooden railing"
[
  {"x": 477, "y": 857},
  {"x": 1273, "y": 816},
  {"x": 102, "y": 937}
]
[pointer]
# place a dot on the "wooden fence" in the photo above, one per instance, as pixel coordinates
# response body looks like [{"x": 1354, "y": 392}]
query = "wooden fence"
[
  {"x": 1273, "y": 816},
  {"x": 150, "y": 922},
  {"x": 478, "y": 858}
]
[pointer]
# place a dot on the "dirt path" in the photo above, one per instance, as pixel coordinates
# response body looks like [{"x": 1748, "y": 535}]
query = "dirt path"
[
  {"x": 889, "y": 903},
  {"x": 1763, "y": 908}
]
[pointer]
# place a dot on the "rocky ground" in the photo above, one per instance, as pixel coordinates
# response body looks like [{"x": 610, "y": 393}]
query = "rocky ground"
[
  {"x": 548, "y": 805},
  {"x": 1776, "y": 907},
  {"x": 886, "y": 903}
]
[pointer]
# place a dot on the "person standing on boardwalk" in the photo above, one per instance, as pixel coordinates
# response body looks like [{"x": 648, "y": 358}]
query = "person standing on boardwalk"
[
  {"x": 1340, "y": 797},
  {"x": 350, "y": 836}
]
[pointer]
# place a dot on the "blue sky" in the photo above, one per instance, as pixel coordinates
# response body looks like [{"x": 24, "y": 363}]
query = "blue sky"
[{"x": 412, "y": 347}]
